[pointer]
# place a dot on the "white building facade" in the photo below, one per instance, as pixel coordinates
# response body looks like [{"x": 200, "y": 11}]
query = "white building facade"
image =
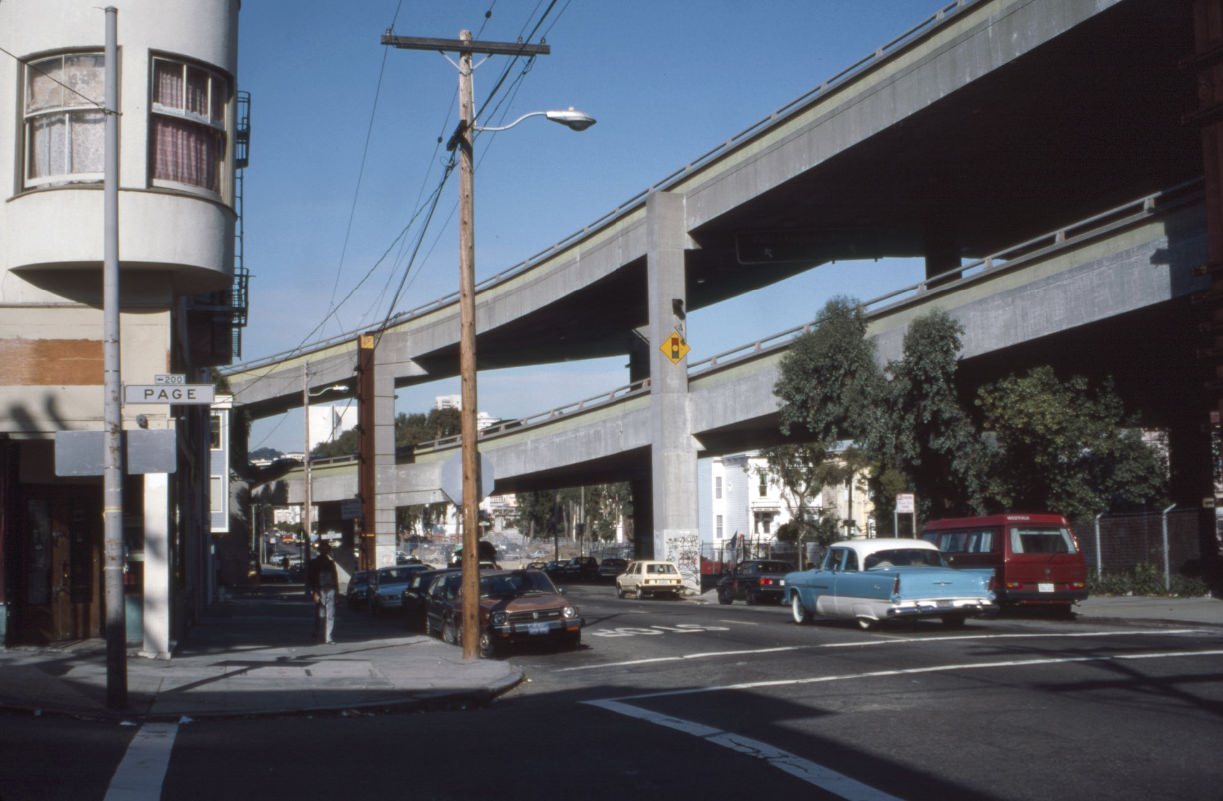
[
  {"x": 740, "y": 501},
  {"x": 180, "y": 144}
]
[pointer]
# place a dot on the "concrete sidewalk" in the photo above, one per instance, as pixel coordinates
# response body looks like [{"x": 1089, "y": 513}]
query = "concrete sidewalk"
[{"x": 254, "y": 655}]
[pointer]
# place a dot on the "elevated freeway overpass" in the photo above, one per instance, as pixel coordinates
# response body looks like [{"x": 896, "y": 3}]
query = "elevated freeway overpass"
[
  {"x": 992, "y": 122},
  {"x": 1124, "y": 278}
]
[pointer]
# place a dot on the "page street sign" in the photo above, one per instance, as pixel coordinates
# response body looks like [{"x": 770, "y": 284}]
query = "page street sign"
[{"x": 203, "y": 394}]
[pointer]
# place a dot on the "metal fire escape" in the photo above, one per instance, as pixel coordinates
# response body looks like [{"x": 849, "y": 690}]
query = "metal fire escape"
[
  {"x": 216, "y": 320},
  {"x": 242, "y": 276}
]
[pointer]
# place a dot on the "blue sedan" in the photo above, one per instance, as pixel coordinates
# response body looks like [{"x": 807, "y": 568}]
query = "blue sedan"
[{"x": 874, "y": 580}]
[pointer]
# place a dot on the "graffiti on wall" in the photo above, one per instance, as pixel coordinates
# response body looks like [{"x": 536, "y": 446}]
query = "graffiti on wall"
[{"x": 684, "y": 549}]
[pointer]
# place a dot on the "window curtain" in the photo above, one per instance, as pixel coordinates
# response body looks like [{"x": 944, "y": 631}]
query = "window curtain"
[{"x": 186, "y": 152}]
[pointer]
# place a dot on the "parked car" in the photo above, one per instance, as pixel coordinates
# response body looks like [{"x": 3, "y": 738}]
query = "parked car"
[
  {"x": 515, "y": 606},
  {"x": 875, "y": 580},
  {"x": 579, "y": 567},
  {"x": 586, "y": 567},
  {"x": 415, "y": 598},
  {"x": 754, "y": 581},
  {"x": 387, "y": 584},
  {"x": 1036, "y": 558},
  {"x": 611, "y": 567},
  {"x": 357, "y": 594},
  {"x": 651, "y": 578}
]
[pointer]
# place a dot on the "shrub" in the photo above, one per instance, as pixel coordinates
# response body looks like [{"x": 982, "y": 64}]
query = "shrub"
[{"x": 1144, "y": 579}]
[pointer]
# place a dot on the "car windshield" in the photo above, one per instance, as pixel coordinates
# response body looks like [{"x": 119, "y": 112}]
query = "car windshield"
[
  {"x": 660, "y": 567},
  {"x": 898, "y": 557},
  {"x": 771, "y": 567},
  {"x": 517, "y": 583}
]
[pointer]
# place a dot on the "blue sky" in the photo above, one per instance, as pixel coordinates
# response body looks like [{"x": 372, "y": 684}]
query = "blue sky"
[{"x": 667, "y": 80}]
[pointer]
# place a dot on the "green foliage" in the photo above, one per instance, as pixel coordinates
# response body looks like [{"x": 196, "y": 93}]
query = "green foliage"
[
  {"x": 1145, "y": 579},
  {"x": 556, "y": 512},
  {"x": 1063, "y": 448},
  {"x": 828, "y": 380},
  {"x": 920, "y": 430}
]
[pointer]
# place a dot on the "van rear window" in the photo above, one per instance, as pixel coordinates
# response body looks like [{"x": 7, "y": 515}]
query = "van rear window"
[
  {"x": 1041, "y": 540},
  {"x": 973, "y": 541}
]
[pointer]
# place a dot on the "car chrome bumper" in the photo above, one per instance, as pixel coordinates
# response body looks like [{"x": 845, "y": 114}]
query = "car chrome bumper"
[{"x": 977, "y": 607}]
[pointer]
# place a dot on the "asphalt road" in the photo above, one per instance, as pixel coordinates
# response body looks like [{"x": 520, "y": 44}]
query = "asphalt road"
[{"x": 674, "y": 698}]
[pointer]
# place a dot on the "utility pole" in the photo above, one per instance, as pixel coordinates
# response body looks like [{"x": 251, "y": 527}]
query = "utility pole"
[
  {"x": 462, "y": 139},
  {"x": 112, "y": 465},
  {"x": 306, "y": 511}
]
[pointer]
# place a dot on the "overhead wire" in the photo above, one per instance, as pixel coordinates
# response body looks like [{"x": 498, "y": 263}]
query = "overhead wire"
[{"x": 429, "y": 208}]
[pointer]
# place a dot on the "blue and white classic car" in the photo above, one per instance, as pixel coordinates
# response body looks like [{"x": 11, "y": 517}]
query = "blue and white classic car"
[{"x": 874, "y": 580}]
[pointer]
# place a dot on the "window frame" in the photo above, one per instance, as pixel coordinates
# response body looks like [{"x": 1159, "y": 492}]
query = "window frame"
[
  {"x": 216, "y": 80},
  {"x": 66, "y": 109}
]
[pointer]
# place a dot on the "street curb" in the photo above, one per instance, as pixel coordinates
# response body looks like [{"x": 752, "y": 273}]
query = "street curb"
[{"x": 415, "y": 702}]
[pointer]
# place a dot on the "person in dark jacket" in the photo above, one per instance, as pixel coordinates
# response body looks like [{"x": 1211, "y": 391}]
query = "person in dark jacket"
[{"x": 322, "y": 579}]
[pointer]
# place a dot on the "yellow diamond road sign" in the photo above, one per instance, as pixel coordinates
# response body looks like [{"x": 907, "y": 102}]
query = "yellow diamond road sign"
[{"x": 675, "y": 348}]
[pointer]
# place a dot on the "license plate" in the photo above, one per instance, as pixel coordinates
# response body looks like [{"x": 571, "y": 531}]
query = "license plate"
[
  {"x": 537, "y": 628},
  {"x": 1044, "y": 586}
]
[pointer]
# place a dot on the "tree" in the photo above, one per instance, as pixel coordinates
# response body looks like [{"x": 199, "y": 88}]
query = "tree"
[
  {"x": 536, "y": 513},
  {"x": 828, "y": 379},
  {"x": 828, "y": 385},
  {"x": 1063, "y": 448},
  {"x": 922, "y": 432}
]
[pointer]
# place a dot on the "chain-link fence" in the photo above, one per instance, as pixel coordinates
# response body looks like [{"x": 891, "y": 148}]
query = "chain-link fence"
[{"x": 1120, "y": 543}]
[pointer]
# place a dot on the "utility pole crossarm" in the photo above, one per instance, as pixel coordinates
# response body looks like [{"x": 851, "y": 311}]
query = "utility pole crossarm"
[{"x": 465, "y": 46}]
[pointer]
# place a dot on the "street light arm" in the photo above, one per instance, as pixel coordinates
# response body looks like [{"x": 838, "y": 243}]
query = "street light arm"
[
  {"x": 570, "y": 118},
  {"x": 337, "y": 387}
]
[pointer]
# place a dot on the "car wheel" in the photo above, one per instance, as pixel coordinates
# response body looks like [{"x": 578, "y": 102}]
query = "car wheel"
[
  {"x": 450, "y": 633},
  {"x": 724, "y": 598},
  {"x": 953, "y": 621},
  {"x": 866, "y": 623},
  {"x": 751, "y": 599},
  {"x": 798, "y": 611},
  {"x": 640, "y": 593},
  {"x": 574, "y": 642},
  {"x": 619, "y": 591}
]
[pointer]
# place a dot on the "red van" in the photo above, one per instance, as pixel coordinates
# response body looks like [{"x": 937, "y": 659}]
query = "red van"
[{"x": 1036, "y": 557}]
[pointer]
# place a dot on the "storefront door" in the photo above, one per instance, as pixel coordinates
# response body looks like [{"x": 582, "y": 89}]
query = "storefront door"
[{"x": 60, "y": 581}]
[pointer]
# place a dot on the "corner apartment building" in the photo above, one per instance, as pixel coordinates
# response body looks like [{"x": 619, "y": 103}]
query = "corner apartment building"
[{"x": 181, "y": 146}]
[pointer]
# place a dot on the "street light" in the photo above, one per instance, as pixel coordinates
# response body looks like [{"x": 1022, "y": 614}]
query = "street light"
[
  {"x": 574, "y": 120},
  {"x": 307, "y": 523}
]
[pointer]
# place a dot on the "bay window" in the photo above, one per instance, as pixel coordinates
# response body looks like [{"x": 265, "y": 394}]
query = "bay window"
[
  {"x": 187, "y": 127},
  {"x": 65, "y": 127}
]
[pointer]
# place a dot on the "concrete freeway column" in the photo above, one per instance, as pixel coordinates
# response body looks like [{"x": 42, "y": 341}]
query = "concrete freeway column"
[
  {"x": 673, "y": 454},
  {"x": 377, "y": 469}
]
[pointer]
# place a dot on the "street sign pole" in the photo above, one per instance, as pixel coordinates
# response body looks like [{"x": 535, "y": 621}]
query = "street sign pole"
[{"x": 112, "y": 470}]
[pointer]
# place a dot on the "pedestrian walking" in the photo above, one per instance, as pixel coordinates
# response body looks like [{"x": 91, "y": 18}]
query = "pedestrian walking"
[{"x": 322, "y": 579}]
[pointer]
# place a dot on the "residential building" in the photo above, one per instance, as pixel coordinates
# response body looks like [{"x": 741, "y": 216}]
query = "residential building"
[
  {"x": 182, "y": 144},
  {"x": 739, "y": 501}
]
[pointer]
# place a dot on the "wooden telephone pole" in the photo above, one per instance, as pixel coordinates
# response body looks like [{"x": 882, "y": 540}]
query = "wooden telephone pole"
[{"x": 462, "y": 139}]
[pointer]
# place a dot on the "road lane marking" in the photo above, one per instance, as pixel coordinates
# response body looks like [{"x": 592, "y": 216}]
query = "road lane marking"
[
  {"x": 654, "y": 630},
  {"x": 804, "y": 769},
  {"x": 863, "y": 644},
  {"x": 874, "y": 674},
  {"x": 143, "y": 769}
]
